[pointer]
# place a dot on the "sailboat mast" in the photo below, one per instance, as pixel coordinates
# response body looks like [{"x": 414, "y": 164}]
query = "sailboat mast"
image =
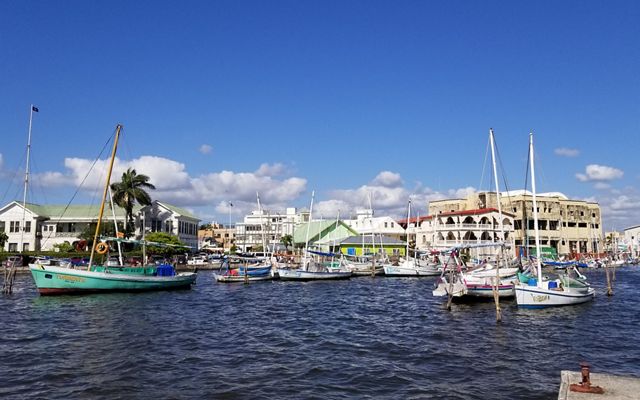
[
  {"x": 306, "y": 240},
  {"x": 373, "y": 233},
  {"x": 26, "y": 183},
  {"x": 495, "y": 177},
  {"x": 535, "y": 211},
  {"x": 262, "y": 224},
  {"x": 104, "y": 195},
  {"x": 333, "y": 249},
  {"x": 408, "y": 218},
  {"x": 115, "y": 227}
]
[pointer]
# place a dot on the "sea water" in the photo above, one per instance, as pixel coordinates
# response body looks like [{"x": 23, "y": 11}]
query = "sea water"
[{"x": 382, "y": 338}]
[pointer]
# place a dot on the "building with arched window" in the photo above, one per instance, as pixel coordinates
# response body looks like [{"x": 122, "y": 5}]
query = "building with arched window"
[{"x": 569, "y": 227}]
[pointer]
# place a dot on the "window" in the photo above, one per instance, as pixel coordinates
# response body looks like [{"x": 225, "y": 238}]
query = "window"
[
  {"x": 14, "y": 227},
  {"x": 392, "y": 225},
  {"x": 13, "y": 247},
  {"x": 385, "y": 224},
  {"x": 27, "y": 226},
  {"x": 2, "y": 227}
]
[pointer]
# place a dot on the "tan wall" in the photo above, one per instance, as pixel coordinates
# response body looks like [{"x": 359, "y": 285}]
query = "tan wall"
[{"x": 568, "y": 225}]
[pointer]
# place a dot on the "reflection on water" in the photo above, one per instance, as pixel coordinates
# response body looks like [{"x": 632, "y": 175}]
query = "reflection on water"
[{"x": 377, "y": 338}]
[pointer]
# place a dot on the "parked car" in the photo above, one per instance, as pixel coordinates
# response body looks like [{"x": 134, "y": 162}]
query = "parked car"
[{"x": 197, "y": 260}]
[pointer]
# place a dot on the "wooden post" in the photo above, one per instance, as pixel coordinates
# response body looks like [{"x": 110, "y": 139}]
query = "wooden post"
[
  {"x": 9, "y": 277},
  {"x": 450, "y": 291},
  {"x": 609, "y": 285},
  {"x": 373, "y": 267},
  {"x": 496, "y": 289}
]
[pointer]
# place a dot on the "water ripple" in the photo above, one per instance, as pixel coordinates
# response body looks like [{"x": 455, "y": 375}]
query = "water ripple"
[{"x": 365, "y": 338}]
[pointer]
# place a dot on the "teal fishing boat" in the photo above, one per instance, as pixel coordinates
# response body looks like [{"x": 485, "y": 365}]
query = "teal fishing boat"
[{"x": 54, "y": 279}]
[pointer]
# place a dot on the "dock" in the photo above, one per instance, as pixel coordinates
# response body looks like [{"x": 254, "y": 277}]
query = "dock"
[{"x": 615, "y": 387}]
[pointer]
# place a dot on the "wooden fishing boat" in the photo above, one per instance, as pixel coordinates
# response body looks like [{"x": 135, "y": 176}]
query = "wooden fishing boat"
[{"x": 53, "y": 279}]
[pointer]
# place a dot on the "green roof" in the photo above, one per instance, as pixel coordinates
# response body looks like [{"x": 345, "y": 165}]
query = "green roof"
[
  {"x": 84, "y": 211},
  {"x": 71, "y": 211},
  {"x": 178, "y": 210},
  {"x": 322, "y": 230}
]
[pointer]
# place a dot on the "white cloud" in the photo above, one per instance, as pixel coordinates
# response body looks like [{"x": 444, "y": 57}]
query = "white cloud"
[
  {"x": 602, "y": 186},
  {"x": 595, "y": 172},
  {"x": 205, "y": 149},
  {"x": 331, "y": 208},
  {"x": 270, "y": 169},
  {"x": 566, "y": 152},
  {"x": 386, "y": 197},
  {"x": 387, "y": 179},
  {"x": 175, "y": 186}
]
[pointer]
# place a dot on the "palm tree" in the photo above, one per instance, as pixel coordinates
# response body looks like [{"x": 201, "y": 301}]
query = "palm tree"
[
  {"x": 131, "y": 190},
  {"x": 287, "y": 240}
]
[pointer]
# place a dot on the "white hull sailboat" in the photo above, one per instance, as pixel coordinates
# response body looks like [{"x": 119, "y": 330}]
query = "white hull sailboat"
[
  {"x": 542, "y": 292},
  {"x": 409, "y": 268},
  {"x": 311, "y": 270}
]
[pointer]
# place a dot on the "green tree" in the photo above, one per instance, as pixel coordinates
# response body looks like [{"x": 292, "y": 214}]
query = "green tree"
[
  {"x": 65, "y": 247},
  {"x": 107, "y": 228},
  {"x": 3, "y": 240},
  {"x": 287, "y": 240},
  {"x": 131, "y": 190},
  {"x": 172, "y": 245}
]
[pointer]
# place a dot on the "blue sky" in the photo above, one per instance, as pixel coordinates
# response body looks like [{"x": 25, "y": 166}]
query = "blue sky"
[{"x": 222, "y": 99}]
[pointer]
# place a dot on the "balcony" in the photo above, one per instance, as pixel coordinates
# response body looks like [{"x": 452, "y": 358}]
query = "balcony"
[{"x": 473, "y": 227}]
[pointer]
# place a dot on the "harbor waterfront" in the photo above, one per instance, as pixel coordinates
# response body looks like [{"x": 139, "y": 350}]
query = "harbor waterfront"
[{"x": 360, "y": 338}]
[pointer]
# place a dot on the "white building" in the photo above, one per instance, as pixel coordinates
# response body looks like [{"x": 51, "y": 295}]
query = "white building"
[
  {"x": 632, "y": 240},
  {"x": 366, "y": 224},
  {"x": 472, "y": 228},
  {"x": 47, "y": 225},
  {"x": 271, "y": 226}
]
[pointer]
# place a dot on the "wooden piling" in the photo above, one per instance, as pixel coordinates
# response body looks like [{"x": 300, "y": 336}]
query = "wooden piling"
[
  {"x": 373, "y": 266},
  {"x": 496, "y": 291},
  {"x": 609, "y": 284},
  {"x": 9, "y": 277}
]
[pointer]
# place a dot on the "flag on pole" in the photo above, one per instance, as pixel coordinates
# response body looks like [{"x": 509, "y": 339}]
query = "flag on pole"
[
  {"x": 34, "y": 108},
  {"x": 230, "y": 204}
]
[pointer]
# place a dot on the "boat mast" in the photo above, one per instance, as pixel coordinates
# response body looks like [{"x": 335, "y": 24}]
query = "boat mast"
[
  {"x": 262, "y": 225},
  {"x": 26, "y": 184},
  {"x": 306, "y": 240},
  {"x": 104, "y": 195},
  {"x": 535, "y": 210},
  {"x": 495, "y": 177},
  {"x": 115, "y": 227},
  {"x": 333, "y": 249},
  {"x": 408, "y": 218},
  {"x": 373, "y": 231}
]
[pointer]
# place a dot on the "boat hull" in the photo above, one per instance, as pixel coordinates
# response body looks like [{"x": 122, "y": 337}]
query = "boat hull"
[
  {"x": 52, "y": 280},
  {"x": 399, "y": 271},
  {"x": 486, "y": 291},
  {"x": 301, "y": 275},
  {"x": 537, "y": 297},
  {"x": 222, "y": 278}
]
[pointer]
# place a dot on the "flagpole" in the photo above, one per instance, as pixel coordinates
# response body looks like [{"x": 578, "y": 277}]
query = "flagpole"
[{"x": 26, "y": 184}]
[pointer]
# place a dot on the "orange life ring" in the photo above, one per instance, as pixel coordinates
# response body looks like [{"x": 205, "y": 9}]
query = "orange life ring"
[{"x": 102, "y": 248}]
